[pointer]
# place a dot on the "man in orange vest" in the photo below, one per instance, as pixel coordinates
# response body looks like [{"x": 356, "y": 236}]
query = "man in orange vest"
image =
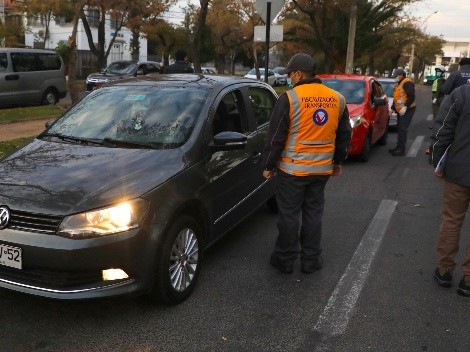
[
  {"x": 404, "y": 104},
  {"x": 308, "y": 139}
]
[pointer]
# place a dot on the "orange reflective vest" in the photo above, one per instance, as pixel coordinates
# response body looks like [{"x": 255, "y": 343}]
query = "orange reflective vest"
[
  {"x": 399, "y": 95},
  {"x": 314, "y": 115}
]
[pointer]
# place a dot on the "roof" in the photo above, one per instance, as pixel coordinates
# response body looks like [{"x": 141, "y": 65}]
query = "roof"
[{"x": 344, "y": 76}]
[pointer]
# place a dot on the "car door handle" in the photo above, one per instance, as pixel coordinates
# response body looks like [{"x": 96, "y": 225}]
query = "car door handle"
[
  {"x": 12, "y": 77},
  {"x": 256, "y": 157}
]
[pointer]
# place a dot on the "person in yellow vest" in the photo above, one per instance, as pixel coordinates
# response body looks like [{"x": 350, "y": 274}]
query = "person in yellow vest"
[
  {"x": 404, "y": 105},
  {"x": 308, "y": 139}
]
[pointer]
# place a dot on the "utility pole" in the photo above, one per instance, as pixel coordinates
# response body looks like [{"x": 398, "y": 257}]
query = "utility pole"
[
  {"x": 411, "y": 59},
  {"x": 351, "y": 38}
]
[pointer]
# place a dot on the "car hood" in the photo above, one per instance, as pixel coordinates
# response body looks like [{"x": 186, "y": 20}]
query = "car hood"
[{"x": 59, "y": 178}]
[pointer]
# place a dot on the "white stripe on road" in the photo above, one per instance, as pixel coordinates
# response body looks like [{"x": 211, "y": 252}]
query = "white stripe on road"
[
  {"x": 429, "y": 118},
  {"x": 335, "y": 317},
  {"x": 415, "y": 147}
]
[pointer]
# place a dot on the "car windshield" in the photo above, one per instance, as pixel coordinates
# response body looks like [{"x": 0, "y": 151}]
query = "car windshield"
[
  {"x": 352, "y": 90},
  {"x": 278, "y": 69},
  {"x": 388, "y": 86},
  {"x": 121, "y": 68},
  {"x": 161, "y": 117}
]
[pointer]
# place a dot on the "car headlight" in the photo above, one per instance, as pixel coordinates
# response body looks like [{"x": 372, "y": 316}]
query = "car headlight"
[
  {"x": 106, "y": 221},
  {"x": 355, "y": 121}
]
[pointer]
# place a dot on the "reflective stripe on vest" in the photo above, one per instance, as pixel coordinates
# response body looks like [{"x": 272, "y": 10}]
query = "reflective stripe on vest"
[
  {"x": 314, "y": 116},
  {"x": 399, "y": 95}
]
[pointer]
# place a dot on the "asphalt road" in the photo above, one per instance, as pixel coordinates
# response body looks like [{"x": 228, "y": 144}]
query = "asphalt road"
[{"x": 376, "y": 291}]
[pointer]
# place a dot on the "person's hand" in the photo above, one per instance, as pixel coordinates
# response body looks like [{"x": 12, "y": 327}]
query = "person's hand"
[
  {"x": 434, "y": 101},
  {"x": 268, "y": 174},
  {"x": 439, "y": 174},
  {"x": 337, "y": 170},
  {"x": 402, "y": 111}
]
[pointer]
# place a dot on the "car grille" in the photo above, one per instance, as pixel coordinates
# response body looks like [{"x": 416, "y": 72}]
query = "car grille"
[
  {"x": 31, "y": 222},
  {"x": 50, "y": 279}
]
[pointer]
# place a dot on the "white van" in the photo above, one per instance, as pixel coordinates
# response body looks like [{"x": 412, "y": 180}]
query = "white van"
[{"x": 31, "y": 76}]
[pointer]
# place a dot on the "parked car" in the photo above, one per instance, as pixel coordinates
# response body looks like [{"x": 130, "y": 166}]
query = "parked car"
[
  {"x": 271, "y": 76},
  {"x": 388, "y": 85},
  {"x": 126, "y": 190},
  {"x": 281, "y": 79},
  {"x": 120, "y": 70},
  {"x": 368, "y": 110},
  {"x": 31, "y": 76}
]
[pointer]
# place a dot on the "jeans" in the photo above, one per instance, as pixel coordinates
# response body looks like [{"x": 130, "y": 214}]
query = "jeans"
[
  {"x": 455, "y": 205},
  {"x": 299, "y": 198}
]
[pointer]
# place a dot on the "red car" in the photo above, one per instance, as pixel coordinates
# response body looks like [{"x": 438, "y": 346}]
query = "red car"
[{"x": 368, "y": 110}]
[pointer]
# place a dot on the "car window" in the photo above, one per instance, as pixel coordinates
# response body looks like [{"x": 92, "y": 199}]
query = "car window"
[
  {"x": 23, "y": 62},
  {"x": 121, "y": 68},
  {"x": 163, "y": 115},
  {"x": 229, "y": 115},
  {"x": 151, "y": 68},
  {"x": 48, "y": 62},
  {"x": 376, "y": 90},
  {"x": 262, "y": 101},
  {"x": 352, "y": 90},
  {"x": 3, "y": 62}
]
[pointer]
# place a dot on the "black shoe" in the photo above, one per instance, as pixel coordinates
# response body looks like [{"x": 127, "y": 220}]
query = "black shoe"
[
  {"x": 398, "y": 152},
  {"x": 443, "y": 276},
  {"x": 464, "y": 286},
  {"x": 392, "y": 150},
  {"x": 311, "y": 264},
  {"x": 284, "y": 266}
]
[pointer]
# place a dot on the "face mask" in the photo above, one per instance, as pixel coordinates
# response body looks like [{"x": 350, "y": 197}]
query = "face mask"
[{"x": 289, "y": 83}]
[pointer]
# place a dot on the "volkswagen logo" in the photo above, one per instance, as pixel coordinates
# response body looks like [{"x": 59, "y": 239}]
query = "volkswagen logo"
[{"x": 4, "y": 217}]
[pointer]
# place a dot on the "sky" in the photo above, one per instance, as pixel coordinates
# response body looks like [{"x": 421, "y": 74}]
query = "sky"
[{"x": 452, "y": 19}]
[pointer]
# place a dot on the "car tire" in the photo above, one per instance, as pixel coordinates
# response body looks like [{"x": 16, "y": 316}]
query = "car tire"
[
  {"x": 50, "y": 97},
  {"x": 271, "y": 203},
  {"x": 383, "y": 140},
  {"x": 178, "y": 262},
  {"x": 365, "y": 154}
]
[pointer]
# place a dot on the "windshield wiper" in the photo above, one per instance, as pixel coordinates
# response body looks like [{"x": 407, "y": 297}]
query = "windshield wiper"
[
  {"x": 115, "y": 143},
  {"x": 65, "y": 138}
]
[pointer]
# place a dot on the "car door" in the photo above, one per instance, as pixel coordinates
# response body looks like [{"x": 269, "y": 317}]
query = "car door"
[
  {"x": 9, "y": 82},
  {"x": 231, "y": 174},
  {"x": 380, "y": 122}
]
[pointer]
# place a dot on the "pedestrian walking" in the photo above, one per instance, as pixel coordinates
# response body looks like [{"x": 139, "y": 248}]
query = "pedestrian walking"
[
  {"x": 404, "y": 105},
  {"x": 308, "y": 139},
  {"x": 450, "y": 137},
  {"x": 181, "y": 64},
  {"x": 457, "y": 78}
]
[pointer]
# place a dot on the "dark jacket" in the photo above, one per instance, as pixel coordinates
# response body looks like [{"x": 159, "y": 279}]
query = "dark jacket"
[
  {"x": 279, "y": 129},
  {"x": 456, "y": 79},
  {"x": 452, "y": 126},
  {"x": 178, "y": 67}
]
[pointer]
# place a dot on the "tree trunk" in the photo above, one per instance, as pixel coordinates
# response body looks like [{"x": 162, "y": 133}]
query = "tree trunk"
[{"x": 72, "y": 62}]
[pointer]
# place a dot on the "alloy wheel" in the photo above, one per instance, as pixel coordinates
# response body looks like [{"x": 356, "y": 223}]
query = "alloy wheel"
[{"x": 184, "y": 259}]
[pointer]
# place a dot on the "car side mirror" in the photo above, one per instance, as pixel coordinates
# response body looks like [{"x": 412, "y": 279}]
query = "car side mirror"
[
  {"x": 228, "y": 140},
  {"x": 380, "y": 101},
  {"x": 49, "y": 123}
]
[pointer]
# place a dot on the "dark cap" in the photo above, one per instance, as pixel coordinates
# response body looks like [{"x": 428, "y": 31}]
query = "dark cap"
[
  {"x": 300, "y": 62},
  {"x": 399, "y": 71},
  {"x": 464, "y": 61}
]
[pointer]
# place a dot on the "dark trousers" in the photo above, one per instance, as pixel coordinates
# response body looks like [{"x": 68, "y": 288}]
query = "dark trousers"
[
  {"x": 403, "y": 122},
  {"x": 299, "y": 198}
]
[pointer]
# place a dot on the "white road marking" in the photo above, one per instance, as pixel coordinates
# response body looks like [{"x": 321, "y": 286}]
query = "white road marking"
[
  {"x": 405, "y": 172},
  {"x": 335, "y": 317},
  {"x": 415, "y": 147},
  {"x": 429, "y": 118}
]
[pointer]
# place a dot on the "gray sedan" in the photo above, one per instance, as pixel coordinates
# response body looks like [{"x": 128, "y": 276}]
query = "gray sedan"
[{"x": 124, "y": 192}]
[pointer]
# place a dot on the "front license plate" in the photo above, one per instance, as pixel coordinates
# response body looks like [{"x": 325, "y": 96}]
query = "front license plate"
[{"x": 10, "y": 256}]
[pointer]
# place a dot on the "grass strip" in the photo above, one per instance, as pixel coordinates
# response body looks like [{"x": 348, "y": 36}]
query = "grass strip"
[
  {"x": 30, "y": 113},
  {"x": 9, "y": 146}
]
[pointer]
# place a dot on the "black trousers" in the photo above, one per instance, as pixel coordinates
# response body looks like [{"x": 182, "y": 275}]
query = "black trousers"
[
  {"x": 403, "y": 122},
  {"x": 300, "y": 202}
]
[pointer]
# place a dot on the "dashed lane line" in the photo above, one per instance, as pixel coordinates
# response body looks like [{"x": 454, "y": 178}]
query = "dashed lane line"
[
  {"x": 415, "y": 147},
  {"x": 337, "y": 312}
]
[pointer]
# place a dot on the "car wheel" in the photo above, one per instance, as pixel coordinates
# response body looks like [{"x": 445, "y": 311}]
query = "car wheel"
[
  {"x": 366, "y": 148},
  {"x": 178, "y": 262},
  {"x": 271, "y": 203},
  {"x": 383, "y": 140},
  {"x": 50, "y": 97}
]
